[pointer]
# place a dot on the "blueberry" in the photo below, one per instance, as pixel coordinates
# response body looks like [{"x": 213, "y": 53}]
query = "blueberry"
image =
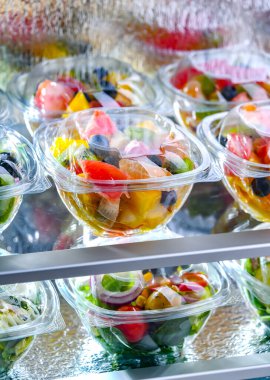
[
  {"x": 168, "y": 198},
  {"x": 229, "y": 92},
  {"x": 100, "y": 72},
  {"x": 99, "y": 140},
  {"x": 261, "y": 186},
  {"x": 156, "y": 160},
  {"x": 223, "y": 140}
]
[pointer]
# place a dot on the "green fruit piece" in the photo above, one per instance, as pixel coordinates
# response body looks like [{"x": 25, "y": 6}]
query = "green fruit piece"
[
  {"x": 176, "y": 165},
  {"x": 6, "y": 205},
  {"x": 141, "y": 134},
  {"x": 207, "y": 84}
]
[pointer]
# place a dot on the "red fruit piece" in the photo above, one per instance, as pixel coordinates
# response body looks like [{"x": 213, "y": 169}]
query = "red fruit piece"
[
  {"x": 53, "y": 96},
  {"x": 134, "y": 332},
  {"x": 199, "y": 278},
  {"x": 180, "y": 79},
  {"x": 221, "y": 83},
  {"x": 72, "y": 83},
  {"x": 100, "y": 171},
  {"x": 262, "y": 149},
  {"x": 94, "y": 104},
  {"x": 99, "y": 124},
  {"x": 240, "y": 145}
]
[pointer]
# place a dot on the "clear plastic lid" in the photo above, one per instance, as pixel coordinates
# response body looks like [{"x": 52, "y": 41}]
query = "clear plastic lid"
[
  {"x": 222, "y": 78},
  {"x": 28, "y": 309},
  {"x": 20, "y": 171},
  {"x": 239, "y": 139},
  {"x": 113, "y": 151},
  {"x": 60, "y": 87},
  {"x": 153, "y": 295},
  {"x": 181, "y": 26}
]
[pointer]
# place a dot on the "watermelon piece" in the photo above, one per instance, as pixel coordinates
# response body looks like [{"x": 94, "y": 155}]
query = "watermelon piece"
[
  {"x": 100, "y": 124},
  {"x": 180, "y": 79},
  {"x": 262, "y": 149},
  {"x": 101, "y": 171},
  {"x": 240, "y": 145}
]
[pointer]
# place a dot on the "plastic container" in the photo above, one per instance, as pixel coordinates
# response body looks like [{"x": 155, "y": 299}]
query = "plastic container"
[
  {"x": 208, "y": 82},
  {"x": 145, "y": 313},
  {"x": 57, "y": 88},
  {"x": 26, "y": 310},
  {"x": 177, "y": 27},
  {"x": 20, "y": 173},
  {"x": 122, "y": 171},
  {"x": 239, "y": 141},
  {"x": 253, "y": 278}
]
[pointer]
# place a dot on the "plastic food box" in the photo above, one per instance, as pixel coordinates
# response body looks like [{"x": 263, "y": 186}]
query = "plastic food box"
[
  {"x": 26, "y": 310},
  {"x": 239, "y": 142},
  {"x": 252, "y": 277},
  {"x": 154, "y": 312},
  {"x": 204, "y": 83},
  {"x": 122, "y": 171},
  {"x": 177, "y": 27},
  {"x": 57, "y": 88},
  {"x": 20, "y": 171}
]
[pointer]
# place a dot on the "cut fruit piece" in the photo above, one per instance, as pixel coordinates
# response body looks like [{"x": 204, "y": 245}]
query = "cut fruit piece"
[
  {"x": 119, "y": 140},
  {"x": 262, "y": 149},
  {"x": 241, "y": 98},
  {"x": 194, "y": 89},
  {"x": 109, "y": 209},
  {"x": 53, "y": 96},
  {"x": 101, "y": 171},
  {"x": 141, "y": 202},
  {"x": 155, "y": 216},
  {"x": 99, "y": 124},
  {"x": 141, "y": 168},
  {"x": 176, "y": 165},
  {"x": 240, "y": 145},
  {"x": 136, "y": 148},
  {"x": 72, "y": 83},
  {"x": 180, "y": 79},
  {"x": 61, "y": 144},
  {"x": 78, "y": 103}
]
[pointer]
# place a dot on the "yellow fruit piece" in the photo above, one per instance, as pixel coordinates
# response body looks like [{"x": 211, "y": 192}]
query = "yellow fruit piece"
[
  {"x": 163, "y": 298},
  {"x": 61, "y": 144},
  {"x": 78, "y": 103},
  {"x": 148, "y": 276},
  {"x": 123, "y": 100},
  {"x": 249, "y": 107},
  {"x": 156, "y": 216},
  {"x": 144, "y": 201}
]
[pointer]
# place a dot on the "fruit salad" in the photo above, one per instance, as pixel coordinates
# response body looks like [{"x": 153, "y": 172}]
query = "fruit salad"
[
  {"x": 60, "y": 87},
  {"x": 26, "y": 310},
  {"x": 20, "y": 173},
  {"x": 150, "y": 312},
  {"x": 253, "y": 278},
  {"x": 10, "y": 174},
  {"x": 260, "y": 269},
  {"x": 207, "y": 83},
  {"x": 120, "y": 172},
  {"x": 246, "y": 134}
]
